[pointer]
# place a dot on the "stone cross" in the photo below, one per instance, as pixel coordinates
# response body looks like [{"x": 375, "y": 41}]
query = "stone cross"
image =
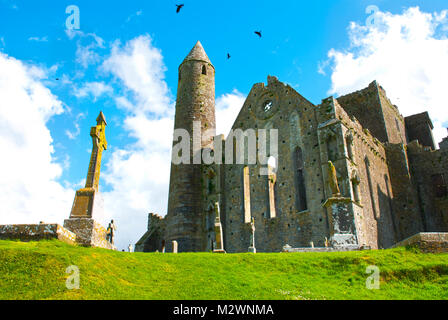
[
  {"x": 174, "y": 246},
  {"x": 99, "y": 144},
  {"x": 83, "y": 205},
  {"x": 252, "y": 238}
]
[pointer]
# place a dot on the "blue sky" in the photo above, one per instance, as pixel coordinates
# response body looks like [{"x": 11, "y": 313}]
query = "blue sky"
[{"x": 298, "y": 38}]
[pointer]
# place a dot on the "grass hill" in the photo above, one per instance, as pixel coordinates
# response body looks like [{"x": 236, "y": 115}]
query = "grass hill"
[{"x": 37, "y": 270}]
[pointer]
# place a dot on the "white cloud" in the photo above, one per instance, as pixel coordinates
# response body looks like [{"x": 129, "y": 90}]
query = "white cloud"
[
  {"x": 140, "y": 67},
  {"x": 407, "y": 54},
  {"x": 86, "y": 45},
  {"x": 228, "y": 107},
  {"x": 29, "y": 190},
  {"x": 94, "y": 89},
  {"x": 139, "y": 173},
  {"x": 72, "y": 135},
  {"x": 132, "y": 16}
]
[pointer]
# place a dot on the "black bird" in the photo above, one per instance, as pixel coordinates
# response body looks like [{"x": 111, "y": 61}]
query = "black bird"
[
  {"x": 179, "y": 6},
  {"x": 228, "y": 56},
  {"x": 258, "y": 33},
  {"x": 57, "y": 78}
]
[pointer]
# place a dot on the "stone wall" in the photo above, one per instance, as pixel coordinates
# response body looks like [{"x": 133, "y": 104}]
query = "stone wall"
[
  {"x": 434, "y": 242},
  {"x": 430, "y": 171},
  {"x": 405, "y": 203},
  {"x": 363, "y": 174},
  {"x": 376, "y": 113},
  {"x": 419, "y": 127},
  {"x": 295, "y": 119},
  {"x": 88, "y": 232},
  {"x": 444, "y": 143},
  {"x": 393, "y": 120},
  {"x": 36, "y": 232},
  {"x": 152, "y": 240}
]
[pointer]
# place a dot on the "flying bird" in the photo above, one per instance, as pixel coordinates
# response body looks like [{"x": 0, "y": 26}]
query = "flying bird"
[
  {"x": 179, "y": 6},
  {"x": 57, "y": 79},
  {"x": 258, "y": 33},
  {"x": 228, "y": 56}
]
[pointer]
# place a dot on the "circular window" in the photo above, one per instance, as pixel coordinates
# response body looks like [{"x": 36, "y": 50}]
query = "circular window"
[{"x": 267, "y": 105}]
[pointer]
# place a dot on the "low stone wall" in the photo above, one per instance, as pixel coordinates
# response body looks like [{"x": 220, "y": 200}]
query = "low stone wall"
[
  {"x": 434, "y": 242},
  {"x": 325, "y": 249},
  {"x": 89, "y": 232},
  {"x": 35, "y": 232}
]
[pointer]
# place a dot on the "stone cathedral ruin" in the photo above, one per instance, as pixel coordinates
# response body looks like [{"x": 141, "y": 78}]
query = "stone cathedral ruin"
[{"x": 351, "y": 172}]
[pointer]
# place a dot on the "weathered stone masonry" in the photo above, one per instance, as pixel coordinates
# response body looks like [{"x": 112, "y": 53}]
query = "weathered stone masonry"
[{"x": 391, "y": 181}]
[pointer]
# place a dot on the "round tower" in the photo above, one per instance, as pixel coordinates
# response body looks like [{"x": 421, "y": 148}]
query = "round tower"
[{"x": 195, "y": 103}]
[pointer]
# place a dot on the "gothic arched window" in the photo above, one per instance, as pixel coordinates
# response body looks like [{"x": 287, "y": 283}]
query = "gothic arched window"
[
  {"x": 349, "y": 143},
  {"x": 355, "y": 187},
  {"x": 301, "y": 200},
  {"x": 204, "y": 70},
  {"x": 332, "y": 148}
]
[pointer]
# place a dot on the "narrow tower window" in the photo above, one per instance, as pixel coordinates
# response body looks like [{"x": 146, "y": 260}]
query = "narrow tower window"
[
  {"x": 204, "y": 70},
  {"x": 332, "y": 148}
]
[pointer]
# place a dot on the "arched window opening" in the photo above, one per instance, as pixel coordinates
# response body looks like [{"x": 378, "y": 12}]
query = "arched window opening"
[
  {"x": 272, "y": 179},
  {"x": 355, "y": 188},
  {"x": 301, "y": 201},
  {"x": 204, "y": 70},
  {"x": 332, "y": 149},
  {"x": 349, "y": 143}
]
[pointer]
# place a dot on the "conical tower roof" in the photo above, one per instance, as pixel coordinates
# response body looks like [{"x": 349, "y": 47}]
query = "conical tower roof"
[{"x": 197, "y": 53}]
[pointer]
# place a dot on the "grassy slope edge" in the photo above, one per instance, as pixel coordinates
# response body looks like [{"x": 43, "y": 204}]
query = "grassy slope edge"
[{"x": 37, "y": 270}]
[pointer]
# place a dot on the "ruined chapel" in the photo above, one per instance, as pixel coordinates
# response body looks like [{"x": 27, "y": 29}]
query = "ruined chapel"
[{"x": 350, "y": 172}]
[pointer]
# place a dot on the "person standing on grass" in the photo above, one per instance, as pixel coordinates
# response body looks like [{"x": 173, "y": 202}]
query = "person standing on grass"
[{"x": 111, "y": 231}]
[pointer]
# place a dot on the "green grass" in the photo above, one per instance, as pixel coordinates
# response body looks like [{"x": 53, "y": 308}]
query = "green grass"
[{"x": 36, "y": 270}]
